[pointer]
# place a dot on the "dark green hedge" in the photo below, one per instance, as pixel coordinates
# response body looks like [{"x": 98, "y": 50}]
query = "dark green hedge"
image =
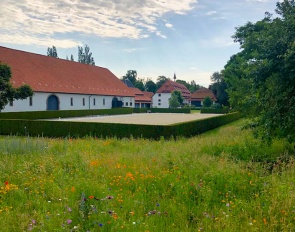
[
  {"x": 63, "y": 113},
  {"x": 81, "y": 129},
  {"x": 213, "y": 111}
]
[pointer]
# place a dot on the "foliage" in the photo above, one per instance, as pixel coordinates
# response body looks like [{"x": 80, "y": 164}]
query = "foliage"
[
  {"x": 85, "y": 56},
  {"x": 106, "y": 130},
  {"x": 219, "y": 88},
  {"x": 260, "y": 78},
  {"x": 207, "y": 102},
  {"x": 131, "y": 75},
  {"x": 139, "y": 84},
  {"x": 7, "y": 92},
  {"x": 173, "y": 101},
  {"x": 195, "y": 184},
  {"x": 150, "y": 86},
  {"x": 52, "y": 52}
]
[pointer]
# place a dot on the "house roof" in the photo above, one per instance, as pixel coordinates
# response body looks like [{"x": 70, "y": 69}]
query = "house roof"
[
  {"x": 49, "y": 74},
  {"x": 140, "y": 96},
  {"x": 201, "y": 93},
  {"x": 148, "y": 94},
  {"x": 170, "y": 86}
]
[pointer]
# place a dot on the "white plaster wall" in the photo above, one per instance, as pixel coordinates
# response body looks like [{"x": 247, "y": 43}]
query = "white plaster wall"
[
  {"x": 128, "y": 102},
  {"x": 40, "y": 102},
  {"x": 161, "y": 100}
]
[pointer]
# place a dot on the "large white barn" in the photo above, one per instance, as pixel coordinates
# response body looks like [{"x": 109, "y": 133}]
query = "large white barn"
[{"x": 60, "y": 84}]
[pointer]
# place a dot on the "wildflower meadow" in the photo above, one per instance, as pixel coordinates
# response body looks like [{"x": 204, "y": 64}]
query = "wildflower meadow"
[{"x": 223, "y": 180}]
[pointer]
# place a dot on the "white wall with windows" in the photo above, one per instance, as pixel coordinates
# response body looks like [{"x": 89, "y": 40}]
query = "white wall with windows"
[
  {"x": 161, "y": 100},
  {"x": 41, "y": 102}
]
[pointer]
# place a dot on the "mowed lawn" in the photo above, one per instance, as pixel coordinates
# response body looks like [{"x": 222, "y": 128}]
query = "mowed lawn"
[{"x": 223, "y": 180}]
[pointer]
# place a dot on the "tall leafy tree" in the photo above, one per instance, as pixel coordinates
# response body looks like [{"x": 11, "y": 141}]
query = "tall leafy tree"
[
  {"x": 261, "y": 78},
  {"x": 219, "y": 88},
  {"x": 7, "y": 92},
  {"x": 52, "y": 52},
  {"x": 207, "y": 102},
  {"x": 174, "y": 100},
  {"x": 85, "y": 56},
  {"x": 150, "y": 86},
  {"x": 131, "y": 75},
  {"x": 139, "y": 84}
]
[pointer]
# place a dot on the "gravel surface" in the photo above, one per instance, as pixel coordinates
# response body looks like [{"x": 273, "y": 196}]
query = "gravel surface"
[{"x": 144, "y": 119}]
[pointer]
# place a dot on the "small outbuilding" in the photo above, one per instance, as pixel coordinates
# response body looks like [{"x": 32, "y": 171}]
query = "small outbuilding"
[{"x": 198, "y": 96}]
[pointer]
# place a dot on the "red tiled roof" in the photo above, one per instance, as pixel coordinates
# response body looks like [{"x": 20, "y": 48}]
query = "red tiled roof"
[
  {"x": 201, "y": 93},
  {"x": 170, "y": 86},
  {"x": 49, "y": 74},
  {"x": 139, "y": 96},
  {"x": 148, "y": 94}
]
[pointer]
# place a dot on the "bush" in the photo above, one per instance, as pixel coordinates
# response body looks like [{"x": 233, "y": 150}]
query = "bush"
[{"x": 81, "y": 129}]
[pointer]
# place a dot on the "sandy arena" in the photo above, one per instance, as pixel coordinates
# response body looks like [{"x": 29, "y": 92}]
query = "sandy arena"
[{"x": 143, "y": 119}]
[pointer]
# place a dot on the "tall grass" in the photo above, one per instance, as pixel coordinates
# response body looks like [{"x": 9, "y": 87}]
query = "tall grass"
[{"x": 213, "y": 182}]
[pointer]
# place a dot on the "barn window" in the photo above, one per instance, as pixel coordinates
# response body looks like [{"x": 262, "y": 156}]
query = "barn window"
[
  {"x": 72, "y": 102},
  {"x": 103, "y": 101},
  {"x": 83, "y": 101},
  {"x": 94, "y": 101},
  {"x": 31, "y": 101}
]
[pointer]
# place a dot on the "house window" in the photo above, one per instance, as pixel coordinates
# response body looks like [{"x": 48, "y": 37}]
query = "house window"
[
  {"x": 11, "y": 103},
  {"x": 130, "y": 103},
  {"x": 103, "y": 101},
  {"x": 159, "y": 100},
  {"x": 94, "y": 101},
  {"x": 126, "y": 103},
  {"x": 83, "y": 101},
  {"x": 159, "y": 95},
  {"x": 159, "y": 103},
  {"x": 72, "y": 102},
  {"x": 31, "y": 101}
]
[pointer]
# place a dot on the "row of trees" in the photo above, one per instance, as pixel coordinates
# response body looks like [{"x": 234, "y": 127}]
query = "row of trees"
[
  {"x": 84, "y": 54},
  {"x": 149, "y": 85},
  {"x": 261, "y": 77}
]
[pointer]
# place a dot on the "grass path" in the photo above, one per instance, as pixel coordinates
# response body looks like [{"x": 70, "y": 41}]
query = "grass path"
[{"x": 205, "y": 183}]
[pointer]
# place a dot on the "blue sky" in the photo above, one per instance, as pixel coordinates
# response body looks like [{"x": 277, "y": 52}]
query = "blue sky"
[{"x": 191, "y": 38}]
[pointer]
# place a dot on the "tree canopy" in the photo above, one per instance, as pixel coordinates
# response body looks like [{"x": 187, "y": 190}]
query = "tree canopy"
[
  {"x": 261, "y": 77},
  {"x": 219, "y": 88},
  {"x": 174, "y": 100},
  {"x": 7, "y": 92},
  {"x": 52, "y": 52},
  {"x": 85, "y": 56}
]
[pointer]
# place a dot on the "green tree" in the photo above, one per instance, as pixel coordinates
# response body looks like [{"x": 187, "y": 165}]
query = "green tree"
[
  {"x": 193, "y": 86},
  {"x": 72, "y": 58},
  {"x": 52, "y": 52},
  {"x": 85, "y": 56},
  {"x": 7, "y": 92},
  {"x": 131, "y": 75},
  {"x": 174, "y": 100},
  {"x": 179, "y": 96},
  {"x": 219, "y": 88},
  {"x": 139, "y": 84},
  {"x": 261, "y": 78},
  {"x": 207, "y": 102},
  {"x": 150, "y": 86}
]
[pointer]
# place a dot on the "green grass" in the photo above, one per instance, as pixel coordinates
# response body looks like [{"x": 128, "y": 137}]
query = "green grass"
[{"x": 212, "y": 182}]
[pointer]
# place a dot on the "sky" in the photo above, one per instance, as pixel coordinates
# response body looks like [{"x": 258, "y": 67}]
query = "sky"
[{"x": 191, "y": 38}]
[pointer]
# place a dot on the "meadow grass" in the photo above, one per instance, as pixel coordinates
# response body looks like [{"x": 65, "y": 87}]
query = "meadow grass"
[{"x": 223, "y": 180}]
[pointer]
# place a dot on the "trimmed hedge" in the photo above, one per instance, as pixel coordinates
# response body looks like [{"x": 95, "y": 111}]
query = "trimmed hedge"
[
  {"x": 82, "y": 113},
  {"x": 63, "y": 113},
  {"x": 213, "y": 111},
  {"x": 81, "y": 129}
]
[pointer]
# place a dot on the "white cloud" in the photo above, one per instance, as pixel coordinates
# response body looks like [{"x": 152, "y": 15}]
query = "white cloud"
[
  {"x": 26, "y": 21},
  {"x": 213, "y": 12},
  {"x": 169, "y": 25}
]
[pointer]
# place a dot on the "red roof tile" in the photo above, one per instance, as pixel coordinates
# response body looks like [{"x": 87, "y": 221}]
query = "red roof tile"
[
  {"x": 49, "y": 74},
  {"x": 201, "y": 93},
  {"x": 170, "y": 86},
  {"x": 139, "y": 96},
  {"x": 148, "y": 94}
]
